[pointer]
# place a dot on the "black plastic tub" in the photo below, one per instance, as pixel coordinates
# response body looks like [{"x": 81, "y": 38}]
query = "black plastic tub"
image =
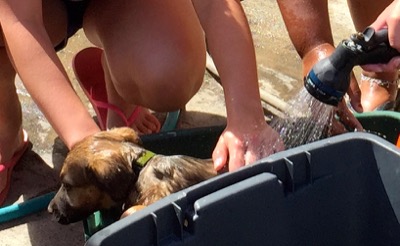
[
  {"x": 199, "y": 142},
  {"x": 339, "y": 191}
]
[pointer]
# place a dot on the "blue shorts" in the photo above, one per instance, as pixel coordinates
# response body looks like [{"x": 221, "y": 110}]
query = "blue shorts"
[{"x": 75, "y": 12}]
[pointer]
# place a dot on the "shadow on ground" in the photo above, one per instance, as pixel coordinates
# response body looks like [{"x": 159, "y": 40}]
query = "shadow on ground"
[{"x": 33, "y": 177}]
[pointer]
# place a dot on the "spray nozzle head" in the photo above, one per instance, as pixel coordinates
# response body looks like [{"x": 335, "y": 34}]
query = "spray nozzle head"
[
  {"x": 322, "y": 91},
  {"x": 329, "y": 79}
]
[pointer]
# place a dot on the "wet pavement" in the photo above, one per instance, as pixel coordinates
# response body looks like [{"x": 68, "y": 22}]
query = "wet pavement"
[{"x": 37, "y": 173}]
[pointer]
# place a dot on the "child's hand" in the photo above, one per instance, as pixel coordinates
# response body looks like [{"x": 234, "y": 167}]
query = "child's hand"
[{"x": 240, "y": 146}]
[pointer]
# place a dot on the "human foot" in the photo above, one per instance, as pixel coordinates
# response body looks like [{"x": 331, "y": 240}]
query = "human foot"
[
  {"x": 378, "y": 94},
  {"x": 146, "y": 123},
  {"x": 7, "y": 167},
  {"x": 141, "y": 119}
]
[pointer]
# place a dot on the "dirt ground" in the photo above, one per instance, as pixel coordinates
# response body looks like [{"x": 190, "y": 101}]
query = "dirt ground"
[{"x": 279, "y": 73}]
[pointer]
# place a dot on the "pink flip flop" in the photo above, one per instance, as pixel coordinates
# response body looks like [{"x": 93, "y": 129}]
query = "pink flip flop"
[
  {"x": 90, "y": 75},
  {"x": 10, "y": 166}
]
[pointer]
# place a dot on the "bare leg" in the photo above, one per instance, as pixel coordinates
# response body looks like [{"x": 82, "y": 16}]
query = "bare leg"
[
  {"x": 373, "y": 95},
  {"x": 155, "y": 59},
  {"x": 10, "y": 115},
  {"x": 365, "y": 12},
  {"x": 145, "y": 122},
  {"x": 308, "y": 24},
  {"x": 309, "y": 29}
]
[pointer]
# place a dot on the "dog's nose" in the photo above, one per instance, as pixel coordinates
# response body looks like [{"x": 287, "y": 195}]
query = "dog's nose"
[{"x": 52, "y": 207}]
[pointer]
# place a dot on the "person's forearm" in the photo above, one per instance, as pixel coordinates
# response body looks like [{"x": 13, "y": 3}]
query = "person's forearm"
[
  {"x": 307, "y": 22},
  {"x": 231, "y": 46},
  {"x": 46, "y": 80}
]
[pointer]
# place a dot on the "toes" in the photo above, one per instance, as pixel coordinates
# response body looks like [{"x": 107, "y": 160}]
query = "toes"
[{"x": 147, "y": 123}]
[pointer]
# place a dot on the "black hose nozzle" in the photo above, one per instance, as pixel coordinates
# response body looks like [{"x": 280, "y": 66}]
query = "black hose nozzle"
[{"x": 329, "y": 79}]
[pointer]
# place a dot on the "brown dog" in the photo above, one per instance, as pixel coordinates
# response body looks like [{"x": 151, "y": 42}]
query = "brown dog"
[{"x": 102, "y": 172}]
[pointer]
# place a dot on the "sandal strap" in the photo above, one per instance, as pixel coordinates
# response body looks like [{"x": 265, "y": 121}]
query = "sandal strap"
[
  {"x": 128, "y": 121},
  {"x": 380, "y": 82}
]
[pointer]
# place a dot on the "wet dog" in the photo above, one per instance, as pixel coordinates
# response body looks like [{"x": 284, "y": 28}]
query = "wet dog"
[{"x": 111, "y": 169}]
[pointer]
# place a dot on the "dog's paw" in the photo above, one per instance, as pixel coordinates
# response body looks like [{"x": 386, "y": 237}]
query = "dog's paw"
[{"x": 132, "y": 210}]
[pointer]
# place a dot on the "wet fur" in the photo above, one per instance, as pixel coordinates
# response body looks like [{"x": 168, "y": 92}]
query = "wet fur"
[{"x": 97, "y": 174}]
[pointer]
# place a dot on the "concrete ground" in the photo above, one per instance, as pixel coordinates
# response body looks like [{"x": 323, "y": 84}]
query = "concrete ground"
[{"x": 37, "y": 173}]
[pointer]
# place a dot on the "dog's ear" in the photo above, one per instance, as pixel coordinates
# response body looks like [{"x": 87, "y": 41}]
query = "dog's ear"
[{"x": 113, "y": 174}]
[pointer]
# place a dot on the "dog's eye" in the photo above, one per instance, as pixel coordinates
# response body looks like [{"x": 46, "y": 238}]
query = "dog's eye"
[{"x": 67, "y": 187}]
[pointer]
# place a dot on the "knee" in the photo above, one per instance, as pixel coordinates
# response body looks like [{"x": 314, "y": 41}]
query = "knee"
[
  {"x": 167, "y": 88},
  {"x": 173, "y": 90},
  {"x": 161, "y": 84}
]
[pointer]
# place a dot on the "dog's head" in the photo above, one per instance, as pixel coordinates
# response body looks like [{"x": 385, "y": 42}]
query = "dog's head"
[{"x": 96, "y": 175}]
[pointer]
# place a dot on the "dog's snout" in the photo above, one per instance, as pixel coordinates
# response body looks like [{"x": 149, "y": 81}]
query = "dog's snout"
[{"x": 52, "y": 207}]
